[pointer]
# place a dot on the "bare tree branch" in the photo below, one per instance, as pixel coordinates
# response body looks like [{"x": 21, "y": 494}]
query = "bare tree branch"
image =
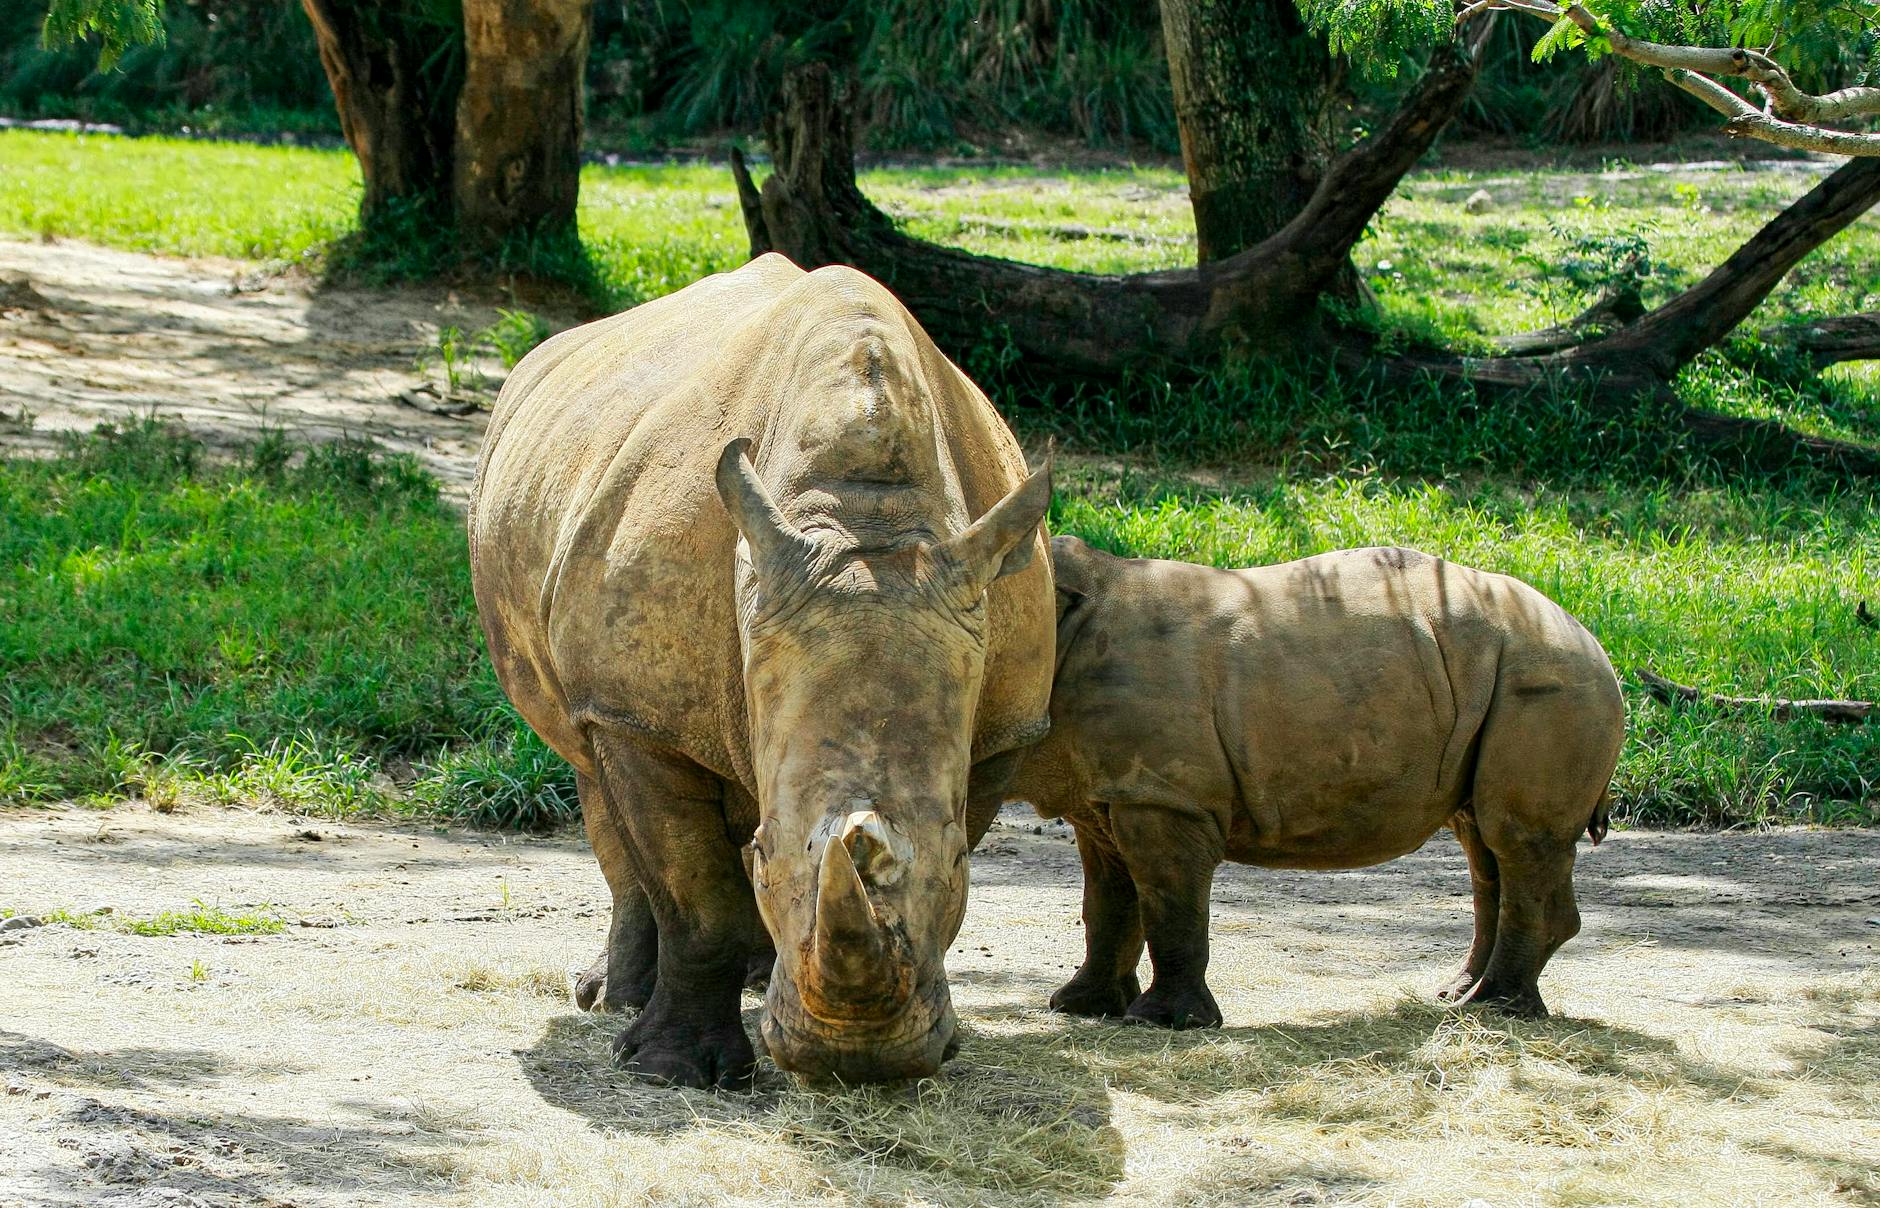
[
  {"x": 1796, "y": 118},
  {"x": 1826, "y": 342}
]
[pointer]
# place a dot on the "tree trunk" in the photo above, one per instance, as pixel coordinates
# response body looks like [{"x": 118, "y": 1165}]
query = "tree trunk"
[
  {"x": 396, "y": 114},
  {"x": 1253, "y": 98},
  {"x": 1083, "y": 324},
  {"x": 519, "y": 117}
]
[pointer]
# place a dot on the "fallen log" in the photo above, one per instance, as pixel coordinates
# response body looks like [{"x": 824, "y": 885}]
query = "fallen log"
[{"x": 1845, "y": 712}]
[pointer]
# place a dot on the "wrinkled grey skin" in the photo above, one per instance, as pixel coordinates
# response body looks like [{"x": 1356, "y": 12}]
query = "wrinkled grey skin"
[
  {"x": 1328, "y": 713},
  {"x": 768, "y": 571}
]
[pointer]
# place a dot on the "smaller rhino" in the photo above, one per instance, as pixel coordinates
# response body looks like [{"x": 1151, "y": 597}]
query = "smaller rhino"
[{"x": 1333, "y": 712}]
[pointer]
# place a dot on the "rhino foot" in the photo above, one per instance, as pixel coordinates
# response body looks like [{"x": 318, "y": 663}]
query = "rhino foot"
[
  {"x": 591, "y": 984},
  {"x": 595, "y": 991},
  {"x": 1179, "y": 1009},
  {"x": 686, "y": 1052},
  {"x": 1457, "y": 988},
  {"x": 1096, "y": 999},
  {"x": 1520, "y": 1002}
]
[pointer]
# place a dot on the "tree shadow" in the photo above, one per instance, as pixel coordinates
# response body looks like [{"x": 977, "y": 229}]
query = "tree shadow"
[{"x": 217, "y": 1157}]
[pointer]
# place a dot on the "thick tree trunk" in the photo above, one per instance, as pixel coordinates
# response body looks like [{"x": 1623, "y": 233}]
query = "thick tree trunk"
[
  {"x": 1253, "y": 98},
  {"x": 1080, "y": 323},
  {"x": 519, "y": 117},
  {"x": 396, "y": 115}
]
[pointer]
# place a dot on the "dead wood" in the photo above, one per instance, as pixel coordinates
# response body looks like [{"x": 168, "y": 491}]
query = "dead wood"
[{"x": 1845, "y": 712}]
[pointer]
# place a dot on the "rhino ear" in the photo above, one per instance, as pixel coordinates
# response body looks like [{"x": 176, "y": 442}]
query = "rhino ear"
[
  {"x": 775, "y": 542},
  {"x": 1000, "y": 542},
  {"x": 1071, "y": 567}
]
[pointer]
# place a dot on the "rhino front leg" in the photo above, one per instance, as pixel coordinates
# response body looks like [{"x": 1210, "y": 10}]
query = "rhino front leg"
[
  {"x": 621, "y": 977},
  {"x": 1485, "y": 885},
  {"x": 1106, "y": 983},
  {"x": 671, "y": 815},
  {"x": 1171, "y": 855}
]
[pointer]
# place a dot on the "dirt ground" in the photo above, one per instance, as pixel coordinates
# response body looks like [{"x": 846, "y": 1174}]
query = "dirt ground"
[
  {"x": 409, "y": 1038},
  {"x": 224, "y": 347}
]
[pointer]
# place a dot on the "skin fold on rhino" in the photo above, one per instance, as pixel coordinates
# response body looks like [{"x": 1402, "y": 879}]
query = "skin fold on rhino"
[
  {"x": 1333, "y": 712},
  {"x": 769, "y": 572}
]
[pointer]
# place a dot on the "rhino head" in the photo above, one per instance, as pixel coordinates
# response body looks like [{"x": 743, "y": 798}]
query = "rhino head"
[{"x": 862, "y": 674}]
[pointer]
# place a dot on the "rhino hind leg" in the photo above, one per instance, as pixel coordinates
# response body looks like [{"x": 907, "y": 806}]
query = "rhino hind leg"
[
  {"x": 1537, "y": 916},
  {"x": 1485, "y": 885},
  {"x": 1106, "y": 983},
  {"x": 1544, "y": 764},
  {"x": 621, "y": 977},
  {"x": 671, "y": 816},
  {"x": 1171, "y": 857}
]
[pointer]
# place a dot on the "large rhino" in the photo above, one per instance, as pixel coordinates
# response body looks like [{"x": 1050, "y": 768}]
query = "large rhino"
[
  {"x": 1327, "y": 713},
  {"x": 735, "y": 555}
]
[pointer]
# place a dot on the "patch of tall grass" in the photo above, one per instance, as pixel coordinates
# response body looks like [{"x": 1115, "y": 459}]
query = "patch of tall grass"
[{"x": 295, "y": 630}]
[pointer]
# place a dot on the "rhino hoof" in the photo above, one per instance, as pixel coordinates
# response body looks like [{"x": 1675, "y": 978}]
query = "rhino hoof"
[
  {"x": 1176, "y": 1010},
  {"x": 1518, "y": 1002},
  {"x": 719, "y": 1058},
  {"x": 1458, "y": 987},
  {"x": 592, "y": 985},
  {"x": 1095, "y": 999}
]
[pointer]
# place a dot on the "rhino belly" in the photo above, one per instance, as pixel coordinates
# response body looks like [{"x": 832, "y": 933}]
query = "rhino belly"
[{"x": 1346, "y": 753}]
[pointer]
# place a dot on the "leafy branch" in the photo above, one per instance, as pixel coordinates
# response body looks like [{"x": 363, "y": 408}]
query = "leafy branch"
[
  {"x": 118, "y": 24},
  {"x": 1790, "y": 116}
]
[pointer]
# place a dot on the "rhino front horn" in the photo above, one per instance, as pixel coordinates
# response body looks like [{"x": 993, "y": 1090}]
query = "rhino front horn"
[{"x": 858, "y": 957}]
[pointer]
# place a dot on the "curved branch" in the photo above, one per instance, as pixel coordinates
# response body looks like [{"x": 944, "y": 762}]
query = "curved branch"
[
  {"x": 811, "y": 210},
  {"x": 1665, "y": 340},
  {"x": 1797, "y": 119}
]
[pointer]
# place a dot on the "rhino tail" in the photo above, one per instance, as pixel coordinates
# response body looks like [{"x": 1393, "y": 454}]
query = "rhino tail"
[{"x": 1599, "y": 823}]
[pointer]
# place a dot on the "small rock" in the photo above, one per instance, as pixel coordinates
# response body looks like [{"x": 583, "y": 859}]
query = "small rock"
[
  {"x": 1873, "y": 922},
  {"x": 1478, "y": 202},
  {"x": 17, "y": 1085},
  {"x": 21, "y": 922},
  {"x": 309, "y": 836}
]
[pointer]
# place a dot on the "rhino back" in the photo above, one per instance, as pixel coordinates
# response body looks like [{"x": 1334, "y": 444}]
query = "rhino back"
[
  {"x": 1330, "y": 704},
  {"x": 602, "y": 557}
]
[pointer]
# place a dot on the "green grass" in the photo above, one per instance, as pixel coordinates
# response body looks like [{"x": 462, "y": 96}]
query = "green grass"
[
  {"x": 296, "y": 630},
  {"x": 316, "y": 648},
  {"x": 197, "y": 920},
  {"x": 253, "y": 683}
]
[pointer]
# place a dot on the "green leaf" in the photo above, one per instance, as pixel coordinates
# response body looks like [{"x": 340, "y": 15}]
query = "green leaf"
[
  {"x": 119, "y": 25},
  {"x": 1563, "y": 35}
]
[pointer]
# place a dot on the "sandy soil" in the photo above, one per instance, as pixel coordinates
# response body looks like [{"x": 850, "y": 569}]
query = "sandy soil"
[
  {"x": 224, "y": 347},
  {"x": 409, "y": 1037}
]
